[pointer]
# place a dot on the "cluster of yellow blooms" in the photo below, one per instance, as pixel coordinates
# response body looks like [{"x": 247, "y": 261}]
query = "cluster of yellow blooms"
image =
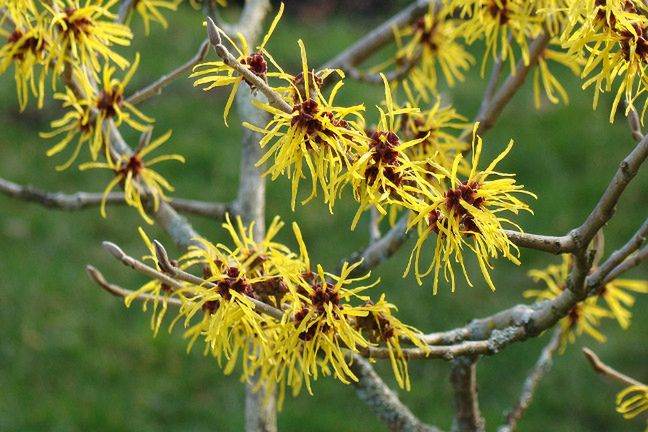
[
  {"x": 76, "y": 41},
  {"x": 586, "y": 316},
  {"x": 412, "y": 161},
  {"x": 319, "y": 316},
  {"x": 409, "y": 161}
]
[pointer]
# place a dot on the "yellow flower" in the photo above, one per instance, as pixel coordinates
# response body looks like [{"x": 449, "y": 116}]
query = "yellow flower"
[
  {"x": 218, "y": 74},
  {"x": 619, "y": 301},
  {"x": 382, "y": 326},
  {"x": 317, "y": 329},
  {"x": 501, "y": 23},
  {"x": 432, "y": 45},
  {"x": 149, "y": 10},
  {"x": 434, "y": 125},
  {"x": 83, "y": 34},
  {"x": 90, "y": 110},
  {"x": 542, "y": 75},
  {"x": 27, "y": 47},
  {"x": 138, "y": 178},
  {"x": 316, "y": 137},
  {"x": 632, "y": 401},
  {"x": 584, "y": 317},
  {"x": 612, "y": 35},
  {"x": 469, "y": 210},
  {"x": 77, "y": 121},
  {"x": 383, "y": 174}
]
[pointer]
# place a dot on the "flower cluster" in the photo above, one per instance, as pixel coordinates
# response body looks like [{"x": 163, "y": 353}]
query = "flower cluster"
[
  {"x": 261, "y": 306},
  {"x": 586, "y": 316},
  {"x": 410, "y": 160},
  {"x": 76, "y": 42}
]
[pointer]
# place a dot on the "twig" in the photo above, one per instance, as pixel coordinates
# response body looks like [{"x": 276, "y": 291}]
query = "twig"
[
  {"x": 381, "y": 249},
  {"x": 492, "y": 83},
  {"x": 608, "y": 371},
  {"x": 124, "y": 10},
  {"x": 379, "y": 37},
  {"x": 274, "y": 98},
  {"x": 552, "y": 244},
  {"x": 492, "y": 345},
  {"x": 168, "y": 279},
  {"x": 376, "y": 78},
  {"x": 118, "y": 291},
  {"x": 374, "y": 225},
  {"x": 630, "y": 263},
  {"x": 490, "y": 112},
  {"x": 604, "y": 209},
  {"x": 541, "y": 367},
  {"x": 382, "y": 401},
  {"x": 82, "y": 200},
  {"x": 618, "y": 256},
  {"x": 464, "y": 382},
  {"x": 156, "y": 87},
  {"x": 635, "y": 124}
]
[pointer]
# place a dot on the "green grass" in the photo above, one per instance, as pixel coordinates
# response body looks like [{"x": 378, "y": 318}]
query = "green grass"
[{"x": 74, "y": 358}]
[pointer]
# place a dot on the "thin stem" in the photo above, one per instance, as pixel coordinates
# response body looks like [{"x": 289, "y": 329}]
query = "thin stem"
[
  {"x": 464, "y": 382},
  {"x": 156, "y": 87},
  {"x": 530, "y": 385},
  {"x": 82, "y": 200},
  {"x": 382, "y": 401},
  {"x": 608, "y": 371},
  {"x": 118, "y": 291}
]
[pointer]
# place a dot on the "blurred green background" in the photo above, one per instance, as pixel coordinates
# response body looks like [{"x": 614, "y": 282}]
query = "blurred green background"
[{"x": 74, "y": 358}]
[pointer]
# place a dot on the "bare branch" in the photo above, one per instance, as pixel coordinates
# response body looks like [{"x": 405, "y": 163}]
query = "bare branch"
[
  {"x": 497, "y": 340},
  {"x": 378, "y": 38},
  {"x": 552, "y": 244},
  {"x": 464, "y": 382},
  {"x": 83, "y": 200},
  {"x": 118, "y": 291},
  {"x": 381, "y": 249},
  {"x": 374, "y": 225},
  {"x": 604, "y": 209},
  {"x": 492, "y": 84},
  {"x": 618, "y": 256},
  {"x": 608, "y": 371},
  {"x": 541, "y": 367},
  {"x": 382, "y": 401},
  {"x": 156, "y": 87},
  {"x": 630, "y": 263},
  {"x": 124, "y": 10},
  {"x": 635, "y": 124},
  {"x": 375, "y": 78},
  {"x": 490, "y": 112}
]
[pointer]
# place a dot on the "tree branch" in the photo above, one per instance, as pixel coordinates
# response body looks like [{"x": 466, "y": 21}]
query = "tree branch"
[
  {"x": 541, "y": 367},
  {"x": 82, "y": 200},
  {"x": 174, "y": 277},
  {"x": 490, "y": 112},
  {"x": 608, "y": 371},
  {"x": 618, "y": 256},
  {"x": 156, "y": 87},
  {"x": 118, "y": 291},
  {"x": 464, "y": 382},
  {"x": 378, "y": 38},
  {"x": 630, "y": 263},
  {"x": 124, "y": 10},
  {"x": 604, "y": 209},
  {"x": 382, "y": 401}
]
